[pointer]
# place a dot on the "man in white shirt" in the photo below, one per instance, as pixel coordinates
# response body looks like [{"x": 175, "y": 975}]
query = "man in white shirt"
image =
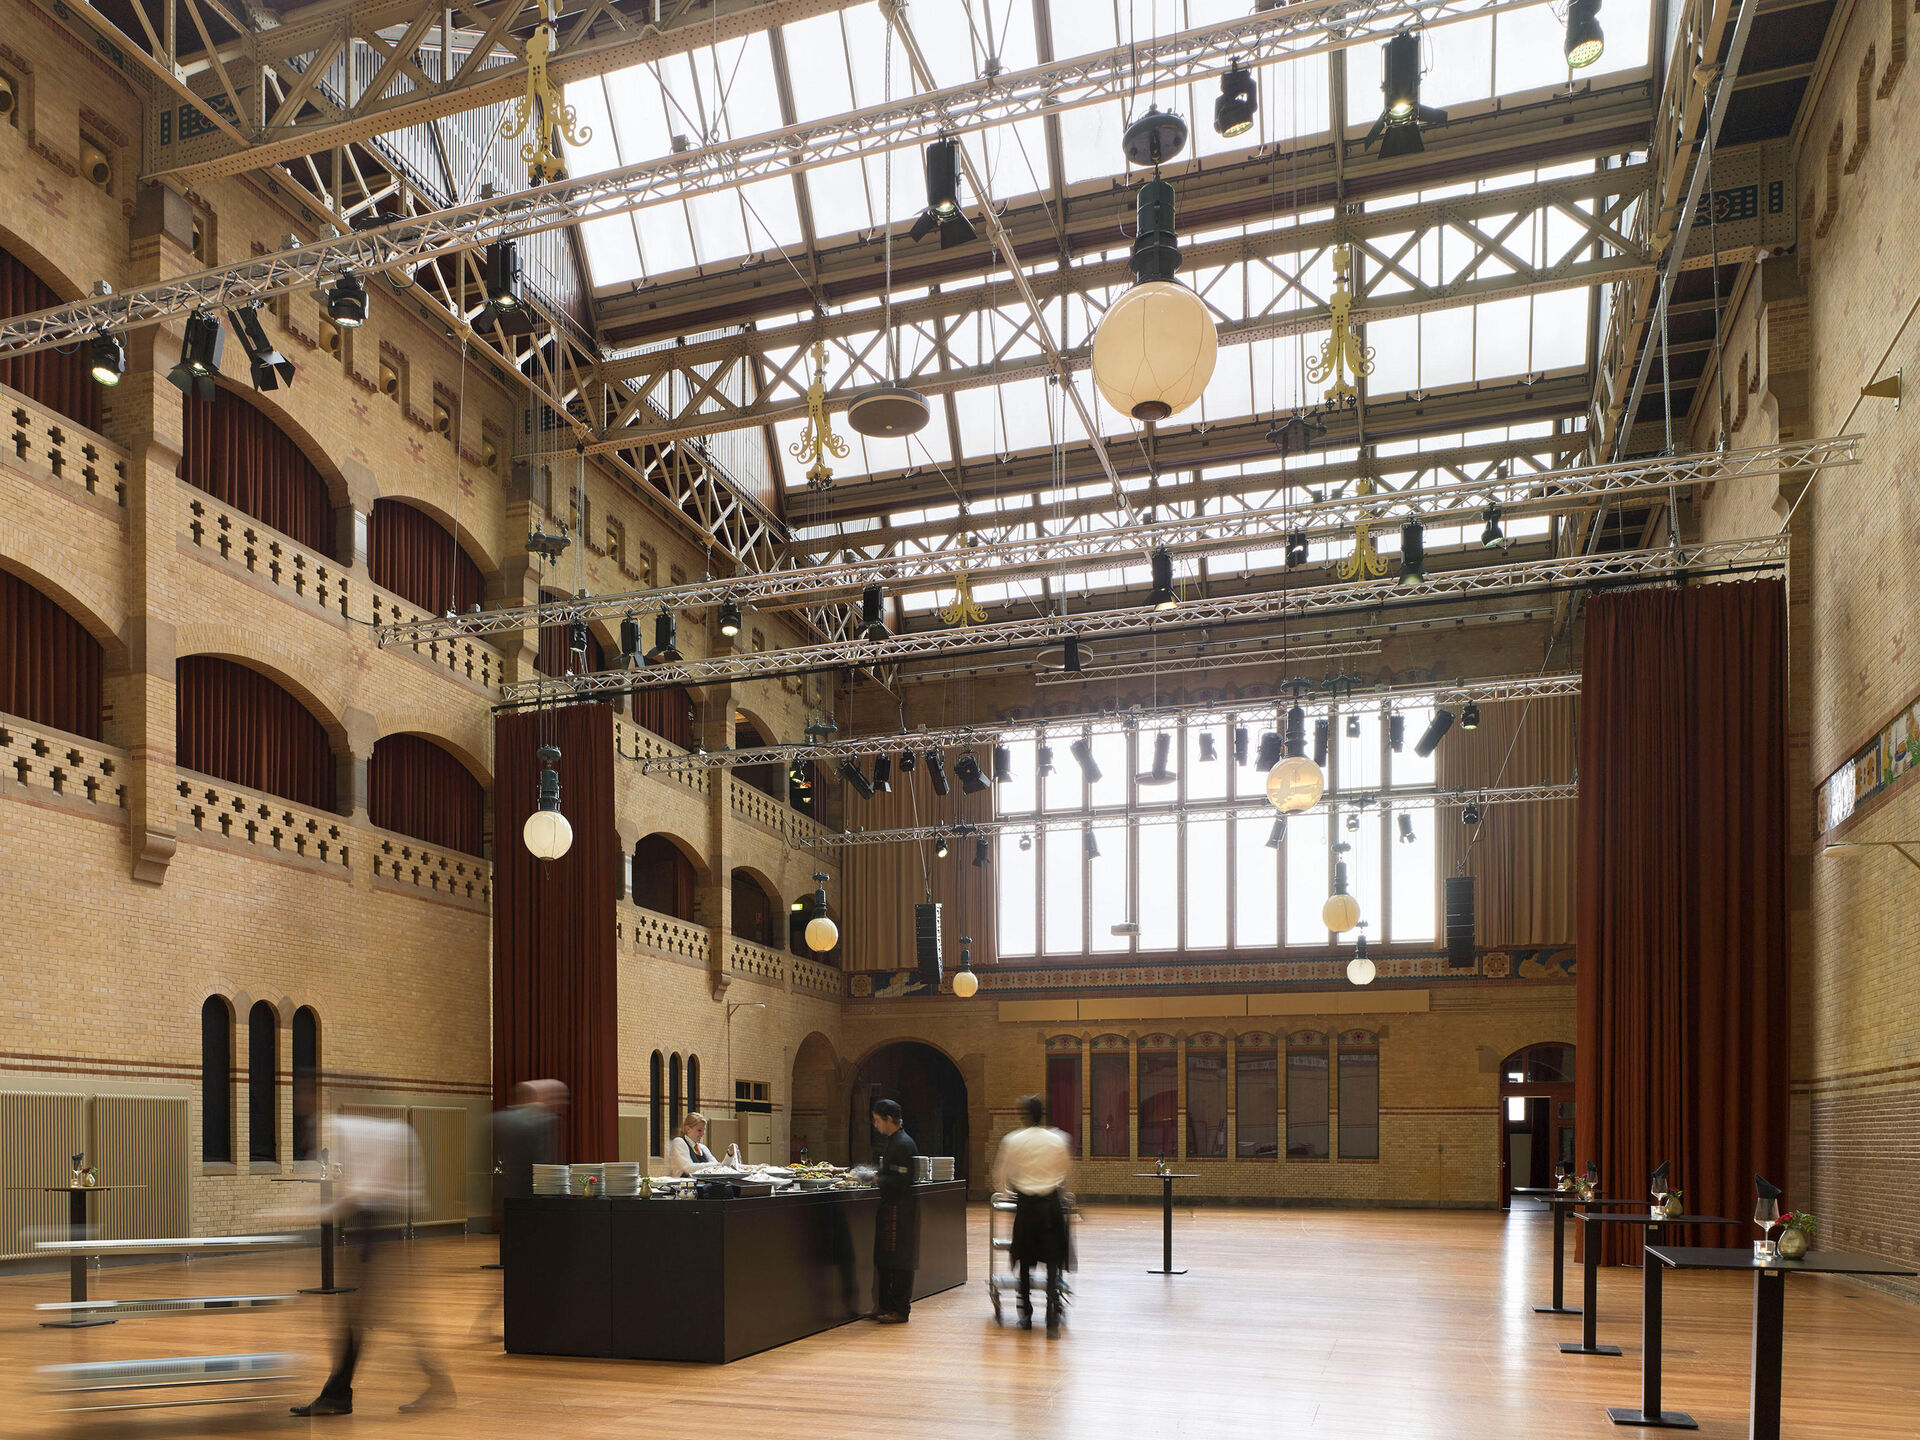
[{"x": 1033, "y": 1164}]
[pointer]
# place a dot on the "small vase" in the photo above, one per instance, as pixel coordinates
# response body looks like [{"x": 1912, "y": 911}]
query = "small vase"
[
  {"x": 1673, "y": 1207},
  {"x": 1793, "y": 1244}
]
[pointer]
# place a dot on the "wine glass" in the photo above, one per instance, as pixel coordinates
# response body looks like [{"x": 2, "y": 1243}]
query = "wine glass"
[{"x": 1766, "y": 1214}]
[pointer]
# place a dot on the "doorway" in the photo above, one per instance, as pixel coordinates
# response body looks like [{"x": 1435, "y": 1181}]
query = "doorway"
[
  {"x": 930, "y": 1090},
  {"x": 1536, "y": 1116}
]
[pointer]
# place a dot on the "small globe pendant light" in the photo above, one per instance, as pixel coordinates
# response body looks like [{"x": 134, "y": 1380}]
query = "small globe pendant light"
[
  {"x": 966, "y": 984},
  {"x": 821, "y": 933},
  {"x": 548, "y": 834},
  {"x": 1155, "y": 348},
  {"x": 1295, "y": 784},
  {"x": 1341, "y": 912}
]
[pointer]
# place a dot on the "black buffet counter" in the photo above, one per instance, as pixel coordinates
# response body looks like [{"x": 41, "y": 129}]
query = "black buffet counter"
[{"x": 711, "y": 1280}]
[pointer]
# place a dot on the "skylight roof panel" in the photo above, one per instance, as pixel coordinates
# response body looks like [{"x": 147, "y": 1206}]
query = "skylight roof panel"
[
  {"x": 817, "y": 67},
  {"x": 1504, "y": 343},
  {"x": 1460, "y": 59},
  {"x": 1559, "y": 329},
  {"x": 772, "y": 215},
  {"x": 1446, "y": 348}
]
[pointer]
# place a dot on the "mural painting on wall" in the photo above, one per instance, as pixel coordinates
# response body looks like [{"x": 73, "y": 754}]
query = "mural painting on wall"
[
  {"x": 1556, "y": 964},
  {"x": 1889, "y": 757}
]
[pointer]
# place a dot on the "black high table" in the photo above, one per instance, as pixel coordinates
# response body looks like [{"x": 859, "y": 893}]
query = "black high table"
[
  {"x": 329, "y": 1232},
  {"x": 1769, "y": 1310},
  {"x": 1166, "y": 1218},
  {"x": 1560, "y": 1201},
  {"x": 1650, "y": 1289},
  {"x": 77, "y": 1262}
]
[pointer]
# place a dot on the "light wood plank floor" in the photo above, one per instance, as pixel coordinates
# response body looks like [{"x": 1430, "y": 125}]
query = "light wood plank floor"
[{"x": 1289, "y": 1323}]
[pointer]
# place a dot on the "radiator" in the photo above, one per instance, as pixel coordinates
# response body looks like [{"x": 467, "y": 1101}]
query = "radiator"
[
  {"x": 39, "y": 1136},
  {"x": 141, "y": 1140},
  {"x": 440, "y": 1189}
]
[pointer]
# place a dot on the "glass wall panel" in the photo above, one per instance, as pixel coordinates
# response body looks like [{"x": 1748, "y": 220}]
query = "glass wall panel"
[
  {"x": 1159, "y": 887},
  {"x": 1159, "y": 1102},
  {"x": 1206, "y": 884},
  {"x": 1256, "y": 885},
  {"x": 1307, "y": 1096},
  {"x": 1108, "y": 1077},
  {"x": 1016, "y": 881},
  {"x": 1206, "y": 1103},
  {"x": 1308, "y": 879},
  {"x": 1415, "y": 898},
  {"x": 1061, "y": 876},
  {"x": 1257, "y": 1101}
]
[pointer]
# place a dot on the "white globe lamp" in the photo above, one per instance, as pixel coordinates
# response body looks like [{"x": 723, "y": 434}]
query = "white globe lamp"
[
  {"x": 966, "y": 984},
  {"x": 1360, "y": 970},
  {"x": 547, "y": 834},
  {"x": 1154, "y": 351},
  {"x": 1341, "y": 912},
  {"x": 822, "y": 934},
  {"x": 1295, "y": 784}
]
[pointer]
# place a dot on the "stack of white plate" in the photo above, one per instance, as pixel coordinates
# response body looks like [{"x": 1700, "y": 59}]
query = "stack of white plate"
[
  {"x": 552, "y": 1180},
  {"x": 621, "y": 1177},
  {"x": 940, "y": 1168}
]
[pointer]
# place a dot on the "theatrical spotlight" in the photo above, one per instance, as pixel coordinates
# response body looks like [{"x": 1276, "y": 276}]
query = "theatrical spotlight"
[
  {"x": 270, "y": 368},
  {"x": 1585, "y": 39},
  {"x": 967, "y": 769},
  {"x": 107, "y": 358},
  {"x": 1398, "y": 128},
  {"x": 1405, "y": 822},
  {"x": 1082, "y": 752},
  {"x": 1470, "y": 815},
  {"x": 1491, "y": 537},
  {"x": 729, "y": 618},
  {"x": 666, "y": 650},
  {"x": 1089, "y": 844},
  {"x": 982, "y": 850},
  {"x": 1321, "y": 731},
  {"x": 1296, "y": 549},
  {"x": 872, "y": 626},
  {"x": 940, "y": 850},
  {"x": 200, "y": 351},
  {"x": 1240, "y": 739},
  {"x": 851, "y": 772},
  {"x": 1278, "y": 834},
  {"x": 1045, "y": 766},
  {"x": 630, "y": 639},
  {"x": 1209, "y": 750},
  {"x": 1353, "y": 726},
  {"x": 1413, "y": 553},
  {"x": 1269, "y": 755},
  {"x": 1396, "y": 733},
  {"x": 347, "y": 301},
  {"x": 937, "y": 773},
  {"x": 1161, "y": 596},
  {"x": 506, "y": 304},
  {"x": 1438, "y": 726},
  {"x": 1072, "y": 661},
  {"x": 908, "y": 760},
  {"x": 883, "y": 774},
  {"x": 1470, "y": 716},
  {"x": 1160, "y": 774},
  {"x": 943, "y": 211},
  {"x": 1239, "y": 101},
  {"x": 1002, "y": 764}
]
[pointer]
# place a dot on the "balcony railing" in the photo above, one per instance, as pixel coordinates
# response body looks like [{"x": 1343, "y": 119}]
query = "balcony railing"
[
  {"x": 235, "y": 537},
  {"x": 746, "y": 958},
  {"x": 51, "y": 447},
  {"x": 756, "y": 805},
  {"x": 441, "y": 872},
  {"x": 813, "y": 977},
  {"x": 668, "y": 934},
  {"x": 636, "y": 742},
  {"x": 218, "y": 807},
  {"x": 463, "y": 657},
  {"x": 42, "y": 758}
]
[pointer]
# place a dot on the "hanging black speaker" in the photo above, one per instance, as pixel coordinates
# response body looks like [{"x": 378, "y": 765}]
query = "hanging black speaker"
[
  {"x": 926, "y": 943},
  {"x": 1460, "y": 922}
]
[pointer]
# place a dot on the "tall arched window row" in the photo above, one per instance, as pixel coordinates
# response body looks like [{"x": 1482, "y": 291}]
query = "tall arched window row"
[
  {"x": 693, "y": 1082},
  {"x": 675, "y": 1100},
  {"x": 412, "y": 554},
  {"x": 216, "y": 1081},
  {"x": 235, "y": 452},
  {"x": 235, "y": 724},
  {"x": 663, "y": 877},
  {"x": 656, "y": 1105},
  {"x": 306, "y": 1084},
  {"x": 62, "y": 383},
  {"x": 419, "y": 789},
  {"x": 49, "y": 664},
  {"x": 263, "y": 1064}
]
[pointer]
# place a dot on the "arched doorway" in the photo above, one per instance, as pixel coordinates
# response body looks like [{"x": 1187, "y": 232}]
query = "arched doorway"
[
  {"x": 816, "y": 1103},
  {"x": 930, "y": 1090},
  {"x": 1536, "y": 1115}
]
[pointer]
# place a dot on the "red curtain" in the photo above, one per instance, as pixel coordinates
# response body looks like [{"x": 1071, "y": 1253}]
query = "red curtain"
[
  {"x": 667, "y": 712},
  {"x": 663, "y": 878},
  {"x": 555, "y": 655},
  {"x": 415, "y": 556},
  {"x": 1682, "y": 925},
  {"x": 236, "y": 724},
  {"x": 62, "y": 383},
  {"x": 238, "y": 455},
  {"x": 752, "y": 911},
  {"x": 554, "y": 967},
  {"x": 419, "y": 789},
  {"x": 49, "y": 664}
]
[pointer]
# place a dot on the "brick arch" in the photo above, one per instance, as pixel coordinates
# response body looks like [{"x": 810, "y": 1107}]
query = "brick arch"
[
  {"x": 52, "y": 274},
  {"x": 476, "y": 763},
  {"x": 461, "y": 531},
  {"x": 95, "y": 608},
  {"x": 267, "y": 403},
  {"x": 304, "y": 680}
]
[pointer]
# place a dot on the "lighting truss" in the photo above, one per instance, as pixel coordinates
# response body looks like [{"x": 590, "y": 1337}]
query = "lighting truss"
[
  {"x": 1554, "y": 492},
  {"x": 1614, "y": 568},
  {"x": 1208, "y": 663},
  {"x": 1066, "y": 728},
  {"x": 1117, "y": 74},
  {"x": 1385, "y": 801}
]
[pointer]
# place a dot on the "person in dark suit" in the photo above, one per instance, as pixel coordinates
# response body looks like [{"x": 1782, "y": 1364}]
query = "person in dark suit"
[
  {"x": 527, "y": 1133},
  {"x": 896, "y": 1235}
]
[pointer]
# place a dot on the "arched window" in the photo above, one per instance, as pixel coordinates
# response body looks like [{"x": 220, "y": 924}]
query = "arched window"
[
  {"x": 1359, "y": 1095},
  {"x": 306, "y": 1084},
  {"x": 216, "y": 1081},
  {"x": 1159, "y": 1095},
  {"x": 656, "y": 1107},
  {"x": 663, "y": 877},
  {"x": 235, "y": 724},
  {"x": 675, "y": 1106},
  {"x": 415, "y": 556},
  {"x": 263, "y": 1065},
  {"x": 235, "y": 452},
  {"x": 1256, "y": 1096},
  {"x": 1207, "y": 1095},
  {"x": 1107, "y": 1067},
  {"x": 693, "y": 1082},
  {"x": 1308, "y": 1095},
  {"x": 62, "y": 383},
  {"x": 419, "y": 789},
  {"x": 752, "y": 910},
  {"x": 49, "y": 663},
  {"x": 769, "y": 779}
]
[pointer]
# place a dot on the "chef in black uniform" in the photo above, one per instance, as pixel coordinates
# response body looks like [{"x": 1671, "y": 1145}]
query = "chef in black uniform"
[{"x": 896, "y": 1235}]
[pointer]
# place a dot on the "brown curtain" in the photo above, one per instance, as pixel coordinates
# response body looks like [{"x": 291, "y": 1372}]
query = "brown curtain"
[
  {"x": 667, "y": 712},
  {"x": 555, "y": 656},
  {"x": 62, "y": 382},
  {"x": 753, "y": 910},
  {"x": 882, "y": 883},
  {"x": 419, "y": 789},
  {"x": 554, "y": 972},
  {"x": 415, "y": 556},
  {"x": 49, "y": 664},
  {"x": 236, "y": 724},
  {"x": 238, "y": 455},
  {"x": 1523, "y": 862},
  {"x": 1682, "y": 935},
  {"x": 663, "y": 878}
]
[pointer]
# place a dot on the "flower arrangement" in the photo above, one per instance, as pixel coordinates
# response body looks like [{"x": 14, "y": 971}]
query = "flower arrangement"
[
  {"x": 1799, "y": 1220},
  {"x": 1796, "y": 1231}
]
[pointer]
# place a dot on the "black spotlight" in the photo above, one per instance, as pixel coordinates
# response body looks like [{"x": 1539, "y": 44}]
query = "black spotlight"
[
  {"x": 1161, "y": 596},
  {"x": 851, "y": 772},
  {"x": 1413, "y": 553},
  {"x": 1082, "y": 752},
  {"x": 1470, "y": 716},
  {"x": 577, "y": 643},
  {"x": 1406, "y": 827},
  {"x": 347, "y": 301},
  {"x": 1585, "y": 40},
  {"x": 1240, "y": 738},
  {"x": 665, "y": 649},
  {"x": 1278, "y": 833},
  {"x": 1072, "y": 661},
  {"x": 982, "y": 850},
  {"x": 107, "y": 358},
  {"x": 1398, "y": 128},
  {"x": 1239, "y": 99},
  {"x": 883, "y": 774},
  {"x": 943, "y": 211},
  {"x": 1438, "y": 726},
  {"x": 506, "y": 304},
  {"x": 1161, "y": 773},
  {"x": 1353, "y": 820},
  {"x": 1321, "y": 732},
  {"x": 1296, "y": 549},
  {"x": 1490, "y": 537},
  {"x": 1002, "y": 764},
  {"x": 1353, "y": 727},
  {"x": 270, "y": 368},
  {"x": 1089, "y": 844},
  {"x": 937, "y": 773},
  {"x": 1208, "y": 749},
  {"x": 872, "y": 626},
  {"x": 1045, "y": 766},
  {"x": 729, "y": 618},
  {"x": 1396, "y": 733},
  {"x": 940, "y": 847},
  {"x": 200, "y": 352},
  {"x": 1470, "y": 815},
  {"x": 630, "y": 638},
  {"x": 1269, "y": 751},
  {"x": 908, "y": 760},
  {"x": 967, "y": 769}
]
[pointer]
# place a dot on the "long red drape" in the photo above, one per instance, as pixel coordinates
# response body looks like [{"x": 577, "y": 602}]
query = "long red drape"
[
  {"x": 415, "y": 556},
  {"x": 663, "y": 878},
  {"x": 238, "y": 455},
  {"x": 1682, "y": 984},
  {"x": 419, "y": 789},
  {"x": 49, "y": 664},
  {"x": 62, "y": 383},
  {"x": 236, "y": 724},
  {"x": 667, "y": 712},
  {"x": 554, "y": 967}
]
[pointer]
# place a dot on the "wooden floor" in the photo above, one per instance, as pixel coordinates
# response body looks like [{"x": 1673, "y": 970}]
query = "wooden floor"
[{"x": 1289, "y": 1323}]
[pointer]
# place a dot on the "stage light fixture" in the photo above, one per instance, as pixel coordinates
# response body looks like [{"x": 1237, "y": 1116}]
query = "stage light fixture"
[
  {"x": 1398, "y": 128},
  {"x": 1413, "y": 553},
  {"x": 1002, "y": 764},
  {"x": 1278, "y": 834},
  {"x": 1406, "y": 827},
  {"x": 1161, "y": 596},
  {"x": 1072, "y": 661},
  {"x": 577, "y": 642},
  {"x": 1471, "y": 815},
  {"x": 1082, "y": 752},
  {"x": 1322, "y": 732},
  {"x": 200, "y": 351},
  {"x": 1438, "y": 726},
  {"x": 107, "y": 359},
  {"x": 347, "y": 301},
  {"x": 1026, "y": 842},
  {"x": 1353, "y": 821},
  {"x": 1585, "y": 40},
  {"x": 872, "y": 625},
  {"x": 506, "y": 305},
  {"x": 1240, "y": 743},
  {"x": 1239, "y": 102},
  {"x": 982, "y": 850},
  {"x": 1270, "y": 751},
  {"x": 729, "y": 618},
  {"x": 908, "y": 762},
  {"x": 967, "y": 770},
  {"x": 1089, "y": 844},
  {"x": 851, "y": 772},
  {"x": 1296, "y": 549},
  {"x": 940, "y": 847},
  {"x": 883, "y": 774},
  {"x": 270, "y": 368},
  {"x": 666, "y": 650},
  {"x": 1353, "y": 727},
  {"x": 1208, "y": 749},
  {"x": 1470, "y": 716},
  {"x": 1160, "y": 774},
  {"x": 943, "y": 212},
  {"x": 1045, "y": 766},
  {"x": 630, "y": 638},
  {"x": 1491, "y": 536},
  {"x": 1396, "y": 733},
  {"x": 937, "y": 773}
]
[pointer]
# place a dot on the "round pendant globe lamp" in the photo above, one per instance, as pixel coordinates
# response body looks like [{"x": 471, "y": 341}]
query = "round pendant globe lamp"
[
  {"x": 548, "y": 834},
  {"x": 1155, "y": 348},
  {"x": 1295, "y": 784},
  {"x": 1341, "y": 912},
  {"x": 966, "y": 984},
  {"x": 1361, "y": 970},
  {"x": 821, "y": 933}
]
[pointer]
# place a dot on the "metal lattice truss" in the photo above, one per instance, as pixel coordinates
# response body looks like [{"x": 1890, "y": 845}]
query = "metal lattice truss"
[
  {"x": 1333, "y": 651},
  {"x": 1386, "y": 801},
  {"x": 1624, "y": 567},
  {"x": 1333, "y": 515}
]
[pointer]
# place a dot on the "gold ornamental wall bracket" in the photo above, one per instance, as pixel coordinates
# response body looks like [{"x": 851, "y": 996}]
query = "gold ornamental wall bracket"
[
  {"x": 1343, "y": 352},
  {"x": 817, "y": 440},
  {"x": 965, "y": 610},
  {"x": 1365, "y": 562},
  {"x": 542, "y": 114}
]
